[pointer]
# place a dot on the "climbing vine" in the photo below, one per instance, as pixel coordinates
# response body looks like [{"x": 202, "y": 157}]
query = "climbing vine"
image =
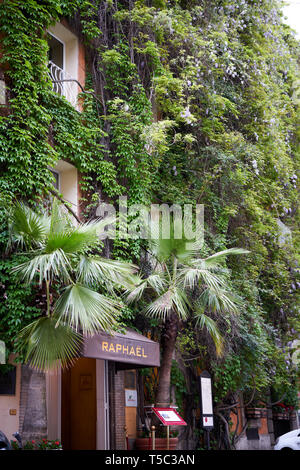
[{"x": 188, "y": 102}]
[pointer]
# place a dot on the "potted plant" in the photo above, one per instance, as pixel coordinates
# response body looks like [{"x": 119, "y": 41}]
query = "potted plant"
[
  {"x": 257, "y": 411},
  {"x": 282, "y": 411},
  {"x": 144, "y": 442}
]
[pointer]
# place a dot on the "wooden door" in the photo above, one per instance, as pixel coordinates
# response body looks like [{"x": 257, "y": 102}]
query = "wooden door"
[{"x": 79, "y": 409}]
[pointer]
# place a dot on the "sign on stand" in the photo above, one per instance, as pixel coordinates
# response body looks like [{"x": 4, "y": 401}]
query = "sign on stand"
[
  {"x": 168, "y": 417},
  {"x": 207, "y": 414}
]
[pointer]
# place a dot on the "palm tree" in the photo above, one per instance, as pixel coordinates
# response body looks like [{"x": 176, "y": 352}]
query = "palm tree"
[
  {"x": 61, "y": 262},
  {"x": 176, "y": 272}
]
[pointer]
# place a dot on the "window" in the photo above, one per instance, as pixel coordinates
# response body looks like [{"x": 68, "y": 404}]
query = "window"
[
  {"x": 130, "y": 379},
  {"x": 63, "y": 62},
  {"x": 56, "y": 179},
  {"x": 56, "y": 63},
  {"x": 56, "y": 51}
]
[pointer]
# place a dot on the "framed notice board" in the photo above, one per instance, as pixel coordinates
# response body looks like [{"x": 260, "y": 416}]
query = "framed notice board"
[{"x": 169, "y": 417}]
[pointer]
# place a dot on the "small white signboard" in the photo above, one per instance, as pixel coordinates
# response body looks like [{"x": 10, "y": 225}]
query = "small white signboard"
[
  {"x": 131, "y": 398},
  {"x": 170, "y": 415},
  {"x": 208, "y": 421},
  {"x": 206, "y": 401},
  {"x": 207, "y": 406}
]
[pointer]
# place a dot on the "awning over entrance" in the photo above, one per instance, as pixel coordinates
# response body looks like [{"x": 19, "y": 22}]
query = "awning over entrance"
[{"x": 130, "y": 348}]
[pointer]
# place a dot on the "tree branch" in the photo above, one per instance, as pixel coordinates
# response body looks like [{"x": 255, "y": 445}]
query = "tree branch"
[{"x": 65, "y": 203}]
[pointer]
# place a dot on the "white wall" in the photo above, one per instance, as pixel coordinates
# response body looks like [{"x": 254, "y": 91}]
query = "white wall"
[
  {"x": 10, "y": 423},
  {"x": 68, "y": 183}
]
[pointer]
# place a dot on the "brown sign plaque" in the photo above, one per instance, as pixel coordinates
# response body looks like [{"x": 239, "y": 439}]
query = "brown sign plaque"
[{"x": 130, "y": 348}]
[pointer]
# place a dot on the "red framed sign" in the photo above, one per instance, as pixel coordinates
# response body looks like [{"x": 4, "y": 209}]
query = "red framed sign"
[{"x": 169, "y": 417}]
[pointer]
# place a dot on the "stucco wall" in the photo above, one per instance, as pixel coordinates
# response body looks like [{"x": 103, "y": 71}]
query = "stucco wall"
[{"x": 9, "y": 423}]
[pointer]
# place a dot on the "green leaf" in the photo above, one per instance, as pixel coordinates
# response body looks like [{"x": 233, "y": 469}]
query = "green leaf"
[
  {"x": 27, "y": 228},
  {"x": 164, "y": 248},
  {"x": 49, "y": 344},
  {"x": 191, "y": 276},
  {"x": 155, "y": 281},
  {"x": 85, "y": 310},
  {"x": 204, "y": 321},
  {"x": 218, "y": 300},
  {"x": 46, "y": 266},
  {"x": 216, "y": 258},
  {"x": 111, "y": 272},
  {"x": 173, "y": 300}
]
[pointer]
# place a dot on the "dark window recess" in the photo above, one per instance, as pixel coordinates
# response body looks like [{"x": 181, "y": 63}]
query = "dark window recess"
[
  {"x": 129, "y": 379},
  {"x": 56, "y": 179},
  {"x": 252, "y": 434},
  {"x": 56, "y": 51},
  {"x": 8, "y": 382}
]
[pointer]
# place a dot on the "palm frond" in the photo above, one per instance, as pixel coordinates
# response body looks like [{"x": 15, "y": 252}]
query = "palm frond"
[
  {"x": 59, "y": 219},
  {"x": 27, "y": 229},
  {"x": 181, "y": 303},
  {"x": 72, "y": 240},
  {"x": 218, "y": 300},
  {"x": 111, "y": 272},
  {"x": 173, "y": 300},
  {"x": 164, "y": 246},
  {"x": 191, "y": 276},
  {"x": 48, "y": 345},
  {"x": 204, "y": 321},
  {"x": 161, "y": 307},
  {"x": 86, "y": 310},
  {"x": 218, "y": 257},
  {"x": 135, "y": 293},
  {"x": 63, "y": 235},
  {"x": 155, "y": 281},
  {"x": 46, "y": 265}
]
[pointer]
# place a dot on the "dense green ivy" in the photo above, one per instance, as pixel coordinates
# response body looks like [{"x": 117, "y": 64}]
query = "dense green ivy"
[
  {"x": 224, "y": 75},
  {"x": 195, "y": 103}
]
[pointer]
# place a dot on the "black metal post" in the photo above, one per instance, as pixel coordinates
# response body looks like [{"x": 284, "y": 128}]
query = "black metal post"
[{"x": 208, "y": 440}]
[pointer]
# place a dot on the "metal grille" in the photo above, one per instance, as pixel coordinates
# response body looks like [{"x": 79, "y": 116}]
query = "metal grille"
[{"x": 63, "y": 83}]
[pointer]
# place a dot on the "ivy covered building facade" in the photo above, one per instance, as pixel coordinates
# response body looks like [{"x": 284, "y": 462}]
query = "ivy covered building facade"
[{"x": 164, "y": 102}]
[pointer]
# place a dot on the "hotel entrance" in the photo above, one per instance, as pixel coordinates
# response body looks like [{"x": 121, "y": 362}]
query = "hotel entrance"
[
  {"x": 94, "y": 404},
  {"x": 84, "y": 405},
  {"x": 79, "y": 406}
]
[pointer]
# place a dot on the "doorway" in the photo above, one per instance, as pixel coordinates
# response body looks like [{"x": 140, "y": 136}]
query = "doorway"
[{"x": 79, "y": 406}]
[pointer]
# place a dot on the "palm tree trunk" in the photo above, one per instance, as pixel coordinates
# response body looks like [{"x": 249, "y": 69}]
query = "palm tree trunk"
[
  {"x": 33, "y": 408},
  {"x": 168, "y": 342}
]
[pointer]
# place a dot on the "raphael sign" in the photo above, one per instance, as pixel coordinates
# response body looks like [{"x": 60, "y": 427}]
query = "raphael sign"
[
  {"x": 130, "y": 348},
  {"x": 110, "y": 347}
]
